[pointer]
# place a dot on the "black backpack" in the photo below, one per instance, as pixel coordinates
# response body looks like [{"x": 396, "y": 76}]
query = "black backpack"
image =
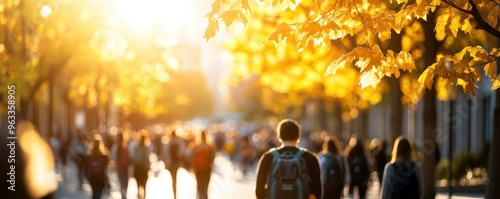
[
  {"x": 288, "y": 176},
  {"x": 332, "y": 173},
  {"x": 405, "y": 184},
  {"x": 96, "y": 168},
  {"x": 359, "y": 170}
]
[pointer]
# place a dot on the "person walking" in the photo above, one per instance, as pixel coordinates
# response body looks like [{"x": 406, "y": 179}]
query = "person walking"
[
  {"x": 202, "y": 159},
  {"x": 288, "y": 171},
  {"x": 79, "y": 150},
  {"x": 359, "y": 167},
  {"x": 381, "y": 158},
  {"x": 96, "y": 167},
  {"x": 402, "y": 178},
  {"x": 141, "y": 163},
  {"x": 334, "y": 169},
  {"x": 173, "y": 156},
  {"x": 247, "y": 152},
  {"x": 121, "y": 156}
]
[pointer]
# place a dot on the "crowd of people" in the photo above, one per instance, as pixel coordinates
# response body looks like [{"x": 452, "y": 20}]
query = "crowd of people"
[
  {"x": 330, "y": 167},
  {"x": 290, "y": 171}
]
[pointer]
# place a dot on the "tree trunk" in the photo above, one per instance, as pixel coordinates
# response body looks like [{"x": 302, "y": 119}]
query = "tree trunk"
[
  {"x": 493, "y": 187},
  {"x": 429, "y": 144},
  {"x": 396, "y": 110},
  {"x": 396, "y": 114}
]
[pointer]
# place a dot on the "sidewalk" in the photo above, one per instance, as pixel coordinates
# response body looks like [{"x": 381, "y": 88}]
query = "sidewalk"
[{"x": 227, "y": 182}]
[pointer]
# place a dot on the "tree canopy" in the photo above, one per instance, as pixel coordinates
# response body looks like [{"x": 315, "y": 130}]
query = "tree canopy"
[{"x": 310, "y": 24}]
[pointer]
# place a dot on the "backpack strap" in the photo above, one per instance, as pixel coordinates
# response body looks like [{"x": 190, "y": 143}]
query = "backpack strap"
[{"x": 298, "y": 181}]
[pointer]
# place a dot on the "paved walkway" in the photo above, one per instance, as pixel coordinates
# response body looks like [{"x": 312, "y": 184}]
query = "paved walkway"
[{"x": 226, "y": 183}]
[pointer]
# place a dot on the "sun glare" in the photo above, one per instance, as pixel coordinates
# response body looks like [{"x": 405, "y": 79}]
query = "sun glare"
[{"x": 144, "y": 15}]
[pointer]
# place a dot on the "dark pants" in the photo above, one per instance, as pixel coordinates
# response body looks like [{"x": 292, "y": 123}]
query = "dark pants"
[
  {"x": 123, "y": 177},
  {"x": 333, "y": 192},
  {"x": 80, "y": 174},
  {"x": 202, "y": 181},
  {"x": 173, "y": 173},
  {"x": 141, "y": 176},
  {"x": 97, "y": 189}
]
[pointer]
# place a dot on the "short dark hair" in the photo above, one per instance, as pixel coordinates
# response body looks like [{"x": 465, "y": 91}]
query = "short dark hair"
[{"x": 288, "y": 130}]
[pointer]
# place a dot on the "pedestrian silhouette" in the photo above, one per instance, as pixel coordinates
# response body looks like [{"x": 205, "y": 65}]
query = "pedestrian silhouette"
[
  {"x": 173, "y": 156},
  {"x": 121, "y": 156},
  {"x": 402, "y": 177},
  {"x": 96, "y": 164},
  {"x": 288, "y": 171},
  {"x": 141, "y": 163},
  {"x": 202, "y": 158},
  {"x": 359, "y": 167},
  {"x": 335, "y": 170}
]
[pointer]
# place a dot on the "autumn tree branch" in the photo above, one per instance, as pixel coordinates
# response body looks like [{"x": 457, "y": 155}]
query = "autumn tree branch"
[
  {"x": 481, "y": 23},
  {"x": 450, "y": 3}
]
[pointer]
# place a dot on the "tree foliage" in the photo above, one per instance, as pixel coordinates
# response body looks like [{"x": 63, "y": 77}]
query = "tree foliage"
[
  {"x": 284, "y": 77},
  {"x": 96, "y": 59},
  {"x": 314, "y": 23}
]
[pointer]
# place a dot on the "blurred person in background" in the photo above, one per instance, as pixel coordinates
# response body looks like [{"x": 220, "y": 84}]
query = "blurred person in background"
[
  {"x": 335, "y": 170},
  {"x": 202, "y": 157},
  {"x": 63, "y": 154},
  {"x": 247, "y": 152},
  {"x": 402, "y": 178},
  {"x": 96, "y": 166},
  {"x": 173, "y": 157},
  {"x": 381, "y": 157},
  {"x": 121, "y": 157},
  {"x": 359, "y": 167},
  {"x": 141, "y": 163},
  {"x": 78, "y": 152},
  {"x": 34, "y": 165}
]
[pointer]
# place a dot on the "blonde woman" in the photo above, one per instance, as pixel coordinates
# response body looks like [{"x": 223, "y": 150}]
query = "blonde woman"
[
  {"x": 403, "y": 176},
  {"x": 96, "y": 166}
]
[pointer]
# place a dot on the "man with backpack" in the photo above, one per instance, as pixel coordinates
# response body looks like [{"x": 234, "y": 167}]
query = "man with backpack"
[{"x": 288, "y": 171}]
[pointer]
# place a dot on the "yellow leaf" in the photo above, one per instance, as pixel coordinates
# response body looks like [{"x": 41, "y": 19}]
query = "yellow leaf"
[
  {"x": 229, "y": 16},
  {"x": 384, "y": 35},
  {"x": 459, "y": 56},
  {"x": 496, "y": 84},
  {"x": 405, "y": 61},
  {"x": 211, "y": 29},
  {"x": 216, "y": 6},
  {"x": 455, "y": 25},
  {"x": 369, "y": 79},
  {"x": 441, "y": 23},
  {"x": 426, "y": 78},
  {"x": 244, "y": 5},
  {"x": 466, "y": 26},
  {"x": 491, "y": 70},
  {"x": 334, "y": 66}
]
